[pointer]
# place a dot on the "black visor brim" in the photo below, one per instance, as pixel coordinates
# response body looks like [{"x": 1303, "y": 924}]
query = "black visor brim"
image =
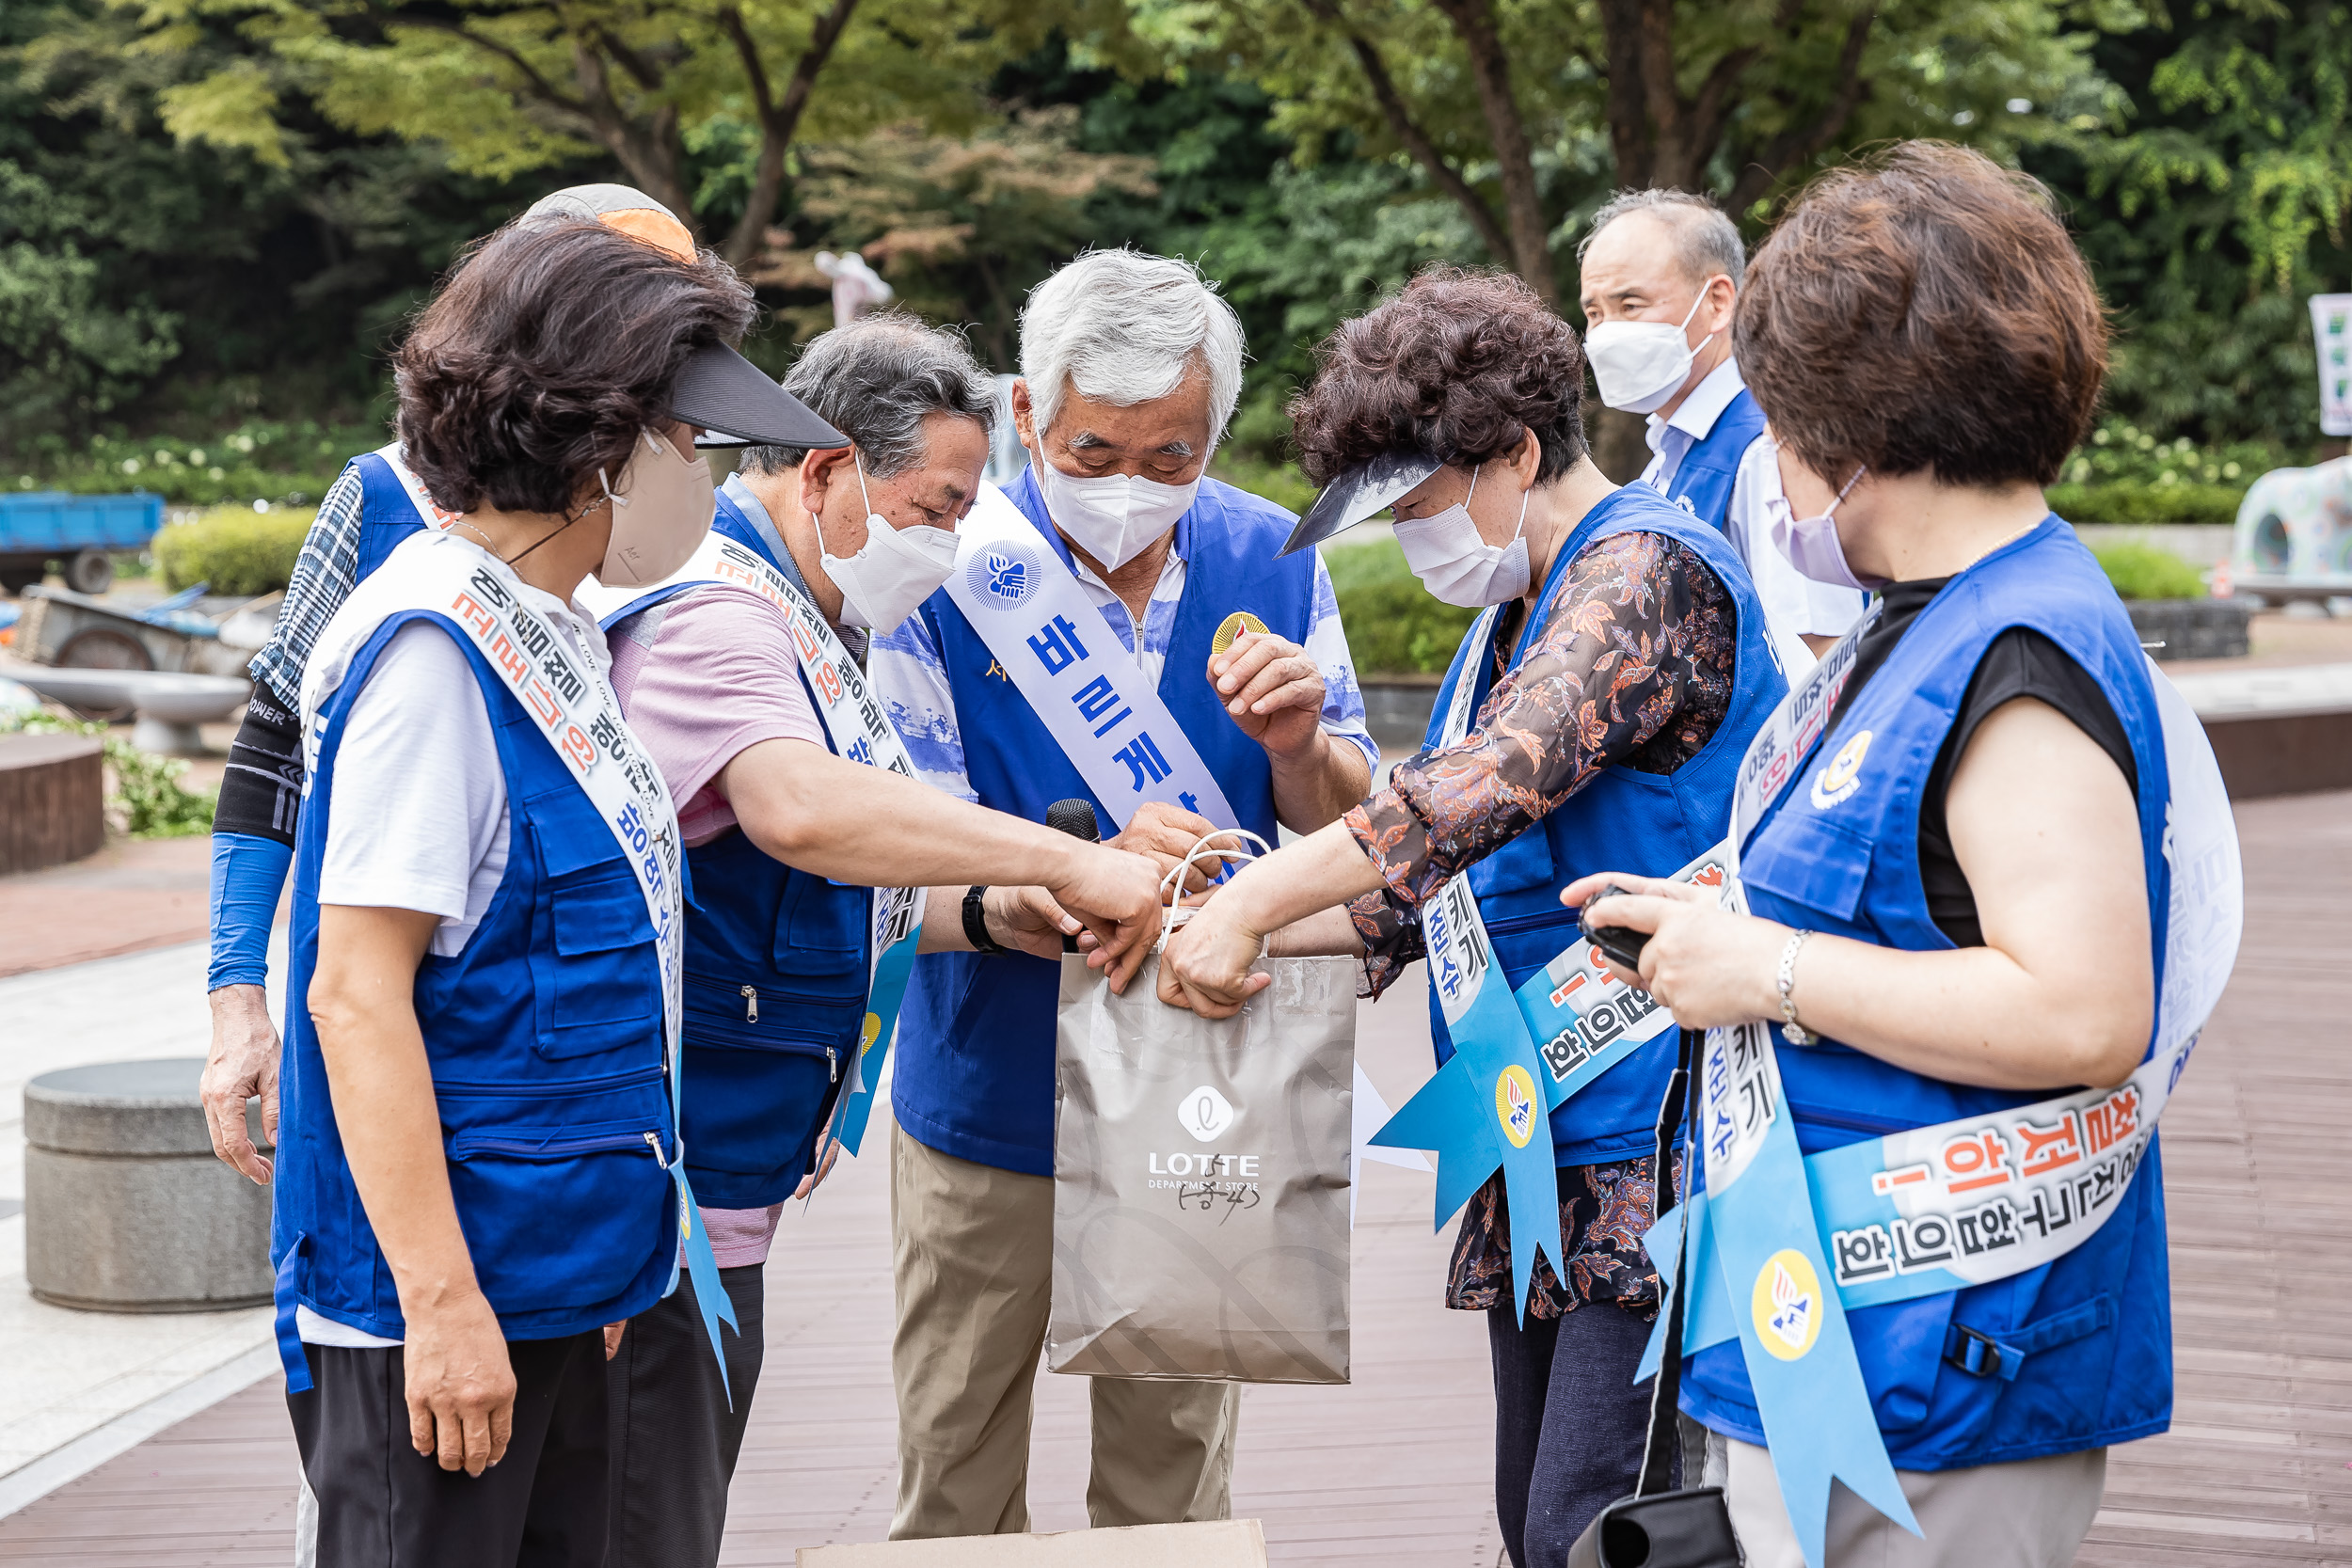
[
  {"x": 740, "y": 405},
  {"x": 1363, "y": 491}
]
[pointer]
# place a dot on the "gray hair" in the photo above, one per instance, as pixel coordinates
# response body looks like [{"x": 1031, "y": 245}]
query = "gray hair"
[
  {"x": 1126, "y": 327},
  {"x": 875, "y": 380},
  {"x": 1707, "y": 242}
]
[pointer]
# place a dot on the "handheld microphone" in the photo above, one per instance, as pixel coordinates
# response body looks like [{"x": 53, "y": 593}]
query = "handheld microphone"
[{"x": 1077, "y": 819}]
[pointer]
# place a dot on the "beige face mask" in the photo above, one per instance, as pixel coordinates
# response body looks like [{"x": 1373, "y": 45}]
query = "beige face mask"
[{"x": 660, "y": 511}]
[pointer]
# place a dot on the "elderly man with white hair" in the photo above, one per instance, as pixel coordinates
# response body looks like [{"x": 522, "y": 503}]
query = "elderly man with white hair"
[
  {"x": 1660, "y": 273},
  {"x": 1125, "y": 634}
]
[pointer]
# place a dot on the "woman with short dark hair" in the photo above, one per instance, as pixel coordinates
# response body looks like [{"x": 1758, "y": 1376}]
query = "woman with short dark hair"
[
  {"x": 474, "y": 1180},
  {"x": 1962, "y": 911},
  {"x": 1597, "y": 711}
]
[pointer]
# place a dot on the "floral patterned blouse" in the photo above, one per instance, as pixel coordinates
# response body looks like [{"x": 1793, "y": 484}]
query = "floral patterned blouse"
[{"x": 1635, "y": 667}]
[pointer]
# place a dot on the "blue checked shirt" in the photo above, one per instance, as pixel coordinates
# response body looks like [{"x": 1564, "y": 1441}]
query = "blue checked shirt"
[
  {"x": 911, "y": 677},
  {"x": 324, "y": 576}
]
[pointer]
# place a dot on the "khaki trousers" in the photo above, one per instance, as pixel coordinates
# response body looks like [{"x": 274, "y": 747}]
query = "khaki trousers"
[
  {"x": 973, "y": 1259},
  {"x": 2026, "y": 1513}
]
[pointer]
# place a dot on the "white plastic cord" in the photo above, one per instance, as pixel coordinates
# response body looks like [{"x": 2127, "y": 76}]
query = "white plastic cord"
[{"x": 1173, "y": 883}]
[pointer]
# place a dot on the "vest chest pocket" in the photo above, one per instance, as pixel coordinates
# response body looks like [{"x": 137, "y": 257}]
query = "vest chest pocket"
[
  {"x": 820, "y": 933},
  {"x": 1805, "y": 860},
  {"x": 600, "y": 987}
]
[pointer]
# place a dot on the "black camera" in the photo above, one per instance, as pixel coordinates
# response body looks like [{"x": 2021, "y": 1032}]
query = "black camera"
[{"x": 1621, "y": 944}]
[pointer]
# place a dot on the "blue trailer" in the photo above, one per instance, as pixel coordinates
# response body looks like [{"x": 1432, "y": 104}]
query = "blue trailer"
[{"x": 82, "y": 531}]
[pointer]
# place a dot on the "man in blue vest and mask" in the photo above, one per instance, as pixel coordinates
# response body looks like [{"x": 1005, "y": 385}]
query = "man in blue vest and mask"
[
  {"x": 1116, "y": 629},
  {"x": 1660, "y": 272}
]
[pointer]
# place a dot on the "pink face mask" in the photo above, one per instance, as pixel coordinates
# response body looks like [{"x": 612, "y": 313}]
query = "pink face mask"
[{"x": 1811, "y": 544}]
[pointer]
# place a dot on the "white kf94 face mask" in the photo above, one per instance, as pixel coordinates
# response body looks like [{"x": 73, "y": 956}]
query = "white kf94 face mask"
[
  {"x": 1114, "y": 519},
  {"x": 1639, "y": 365},
  {"x": 897, "y": 568},
  {"x": 1457, "y": 566}
]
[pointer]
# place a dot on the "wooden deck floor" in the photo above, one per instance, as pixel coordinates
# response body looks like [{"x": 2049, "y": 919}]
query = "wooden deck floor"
[{"x": 1394, "y": 1470}]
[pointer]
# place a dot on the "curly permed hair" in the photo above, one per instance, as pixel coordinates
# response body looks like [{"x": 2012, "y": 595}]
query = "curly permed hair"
[
  {"x": 553, "y": 344},
  {"x": 1460, "y": 366}
]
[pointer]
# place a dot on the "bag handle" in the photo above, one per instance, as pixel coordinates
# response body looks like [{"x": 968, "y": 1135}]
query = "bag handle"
[
  {"x": 1666, "y": 1391},
  {"x": 1171, "y": 886}
]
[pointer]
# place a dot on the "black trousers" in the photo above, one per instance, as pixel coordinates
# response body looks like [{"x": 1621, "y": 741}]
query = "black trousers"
[
  {"x": 381, "y": 1504},
  {"x": 674, "y": 1440},
  {"x": 1569, "y": 1423}
]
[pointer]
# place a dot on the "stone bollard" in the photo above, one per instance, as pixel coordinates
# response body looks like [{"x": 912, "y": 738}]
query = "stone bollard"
[{"x": 126, "y": 1209}]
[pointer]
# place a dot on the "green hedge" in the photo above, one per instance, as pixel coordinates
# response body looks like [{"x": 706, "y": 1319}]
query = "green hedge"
[
  {"x": 1394, "y": 625},
  {"x": 235, "y": 549},
  {"x": 2131, "y": 501},
  {"x": 2149, "y": 572}
]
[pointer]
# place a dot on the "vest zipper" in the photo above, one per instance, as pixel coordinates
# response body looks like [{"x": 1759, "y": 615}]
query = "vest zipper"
[
  {"x": 751, "y": 1005},
  {"x": 832, "y": 1064}
]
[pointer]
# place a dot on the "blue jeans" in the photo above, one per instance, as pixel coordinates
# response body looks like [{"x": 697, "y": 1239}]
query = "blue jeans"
[{"x": 1569, "y": 1423}]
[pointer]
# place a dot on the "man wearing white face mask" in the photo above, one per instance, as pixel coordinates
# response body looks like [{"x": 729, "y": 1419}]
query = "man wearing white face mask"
[
  {"x": 740, "y": 676},
  {"x": 1122, "y": 633},
  {"x": 1660, "y": 276}
]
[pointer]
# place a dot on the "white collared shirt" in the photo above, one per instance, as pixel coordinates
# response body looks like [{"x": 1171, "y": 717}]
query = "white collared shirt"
[{"x": 1794, "y": 605}]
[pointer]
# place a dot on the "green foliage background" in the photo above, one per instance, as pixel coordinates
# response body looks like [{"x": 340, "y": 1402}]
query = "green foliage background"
[{"x": 216, "y": 215}]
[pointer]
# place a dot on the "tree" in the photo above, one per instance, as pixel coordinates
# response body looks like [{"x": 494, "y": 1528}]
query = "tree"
[
  {"x": 962, "y": 227},
  {"x": 1522, "y": 113},
  {"x": 2216, "y": 208},
  {"x": 510, "y": 85}
]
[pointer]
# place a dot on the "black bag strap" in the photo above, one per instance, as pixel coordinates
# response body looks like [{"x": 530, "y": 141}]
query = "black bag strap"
[{"x": 1678, "y": 1108}]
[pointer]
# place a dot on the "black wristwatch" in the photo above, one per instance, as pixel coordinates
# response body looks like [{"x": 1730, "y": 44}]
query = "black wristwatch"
[{"x": 976, "y": 922}]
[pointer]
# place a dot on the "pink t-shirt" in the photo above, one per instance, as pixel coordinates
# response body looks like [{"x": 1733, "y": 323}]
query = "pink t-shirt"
[{"x": 716, "y": 677}]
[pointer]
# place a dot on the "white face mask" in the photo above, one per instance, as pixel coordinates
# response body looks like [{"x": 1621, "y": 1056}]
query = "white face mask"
[
  {"x": 1639, "y": 365},
  {"x": 1457, "y": 566},
  {"x": 1811, "y": 544},
  {"x": 1114, "y": 519},
  {"x": 896, "y": 570},
  {"x": 661, "y": 511}
]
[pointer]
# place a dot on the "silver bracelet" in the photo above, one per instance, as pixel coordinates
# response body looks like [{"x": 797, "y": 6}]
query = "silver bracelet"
[{"x": 1793, "y": 1032}]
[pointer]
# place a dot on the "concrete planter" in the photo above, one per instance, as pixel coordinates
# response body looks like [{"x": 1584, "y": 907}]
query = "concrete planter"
[
  {"x": 2193, "y": 629},
  {"x": 126, "y": 1210}
]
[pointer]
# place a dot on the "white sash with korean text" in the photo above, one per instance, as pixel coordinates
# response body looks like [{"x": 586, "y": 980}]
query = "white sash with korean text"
[
  {"x": 433, "y": 514},
  {"x": 457, "y": 580},
  {"x": 860, "y": 731},
  {"x": 1978, "y": 1199},
  {"x": 1072, "y": 669}
]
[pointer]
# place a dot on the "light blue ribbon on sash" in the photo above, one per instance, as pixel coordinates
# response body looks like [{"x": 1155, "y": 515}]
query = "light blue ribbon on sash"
[{"x": 1485, "y": 1107}]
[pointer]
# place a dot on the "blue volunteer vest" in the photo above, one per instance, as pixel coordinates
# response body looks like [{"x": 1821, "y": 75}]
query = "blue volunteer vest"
[
  {"x": 776, "y": 970},
  {"x": 974, "y": 1077},
  {"x": 545, "y": 1040},
  {"x": 1703, "y": 484},
  {"x": 387, "y": 515},
  {"x": 2090, "y": 1333},
  {"x": 1651, "y": 824}
]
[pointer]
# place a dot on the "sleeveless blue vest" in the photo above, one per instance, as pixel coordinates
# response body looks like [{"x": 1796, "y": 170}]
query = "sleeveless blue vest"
[
  {"x": 387, "y": 515},
  {"x": 2094, "y": 1329},
  {"x": 974, "y": 1077},
  {"x": 1703, "y": 484},
  {"x": 776, "y": 970},
  {"x": 1651, "y": 824},
  {"x": 545, "y": 1040}
]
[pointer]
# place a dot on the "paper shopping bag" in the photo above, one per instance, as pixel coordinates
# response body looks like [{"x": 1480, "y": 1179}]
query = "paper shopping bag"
[{"x": 1201, "y": 1179}]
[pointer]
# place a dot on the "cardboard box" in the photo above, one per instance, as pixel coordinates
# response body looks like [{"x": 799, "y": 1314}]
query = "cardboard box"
[{"x": 1225, "y": 1544}]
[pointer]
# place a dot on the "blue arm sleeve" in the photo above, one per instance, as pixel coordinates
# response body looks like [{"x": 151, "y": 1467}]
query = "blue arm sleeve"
[{"x": 248, "y": 874}]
